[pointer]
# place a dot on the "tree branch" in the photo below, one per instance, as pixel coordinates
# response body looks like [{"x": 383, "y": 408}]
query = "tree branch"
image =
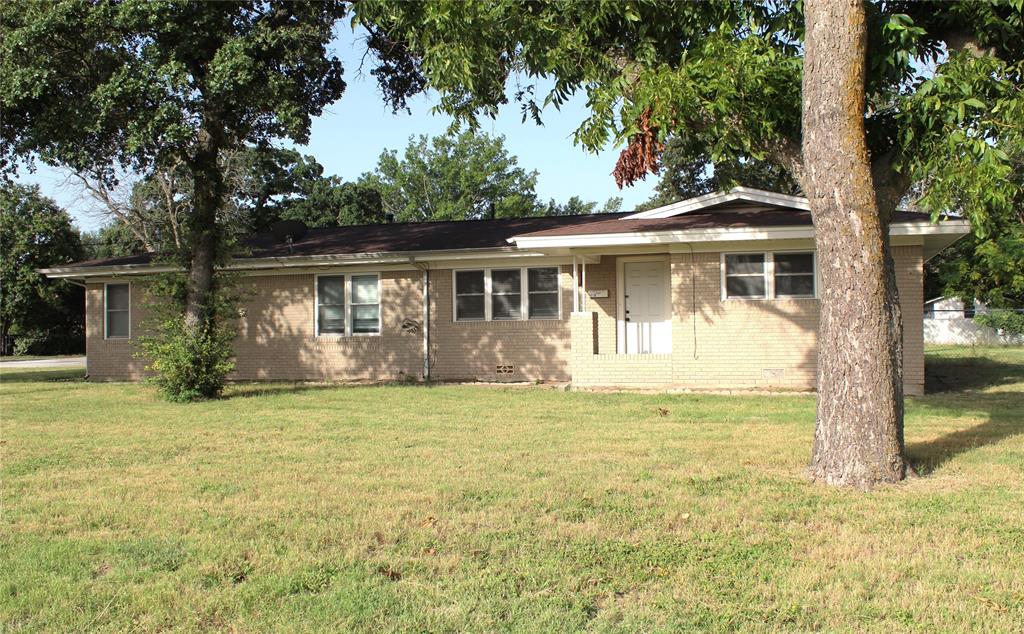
[
  {"x": 890, "y": 185},
  {"x": 787, "y": 153},
  {"x": 102, "y": 194}
]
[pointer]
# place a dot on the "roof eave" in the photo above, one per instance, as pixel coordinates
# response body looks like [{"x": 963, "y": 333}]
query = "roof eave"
[
  {"x": 279, "y": 262},
  {"x": 953, "y": 228}
]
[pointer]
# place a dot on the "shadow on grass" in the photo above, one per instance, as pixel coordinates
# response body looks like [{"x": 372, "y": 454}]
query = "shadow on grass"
[
  {"x": 254, "y": 390},
  {"x": 955, "y": 385},
  {"x": 30, "y": 375},
  {"x": 945, "y": 374}
]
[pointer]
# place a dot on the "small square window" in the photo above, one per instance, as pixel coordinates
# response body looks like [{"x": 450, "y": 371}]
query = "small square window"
[
  {"x": 794, "y": 275},
  {"x": 745, "y": 276}
]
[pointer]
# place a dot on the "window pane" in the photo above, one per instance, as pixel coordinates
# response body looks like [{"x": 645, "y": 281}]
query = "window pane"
[
  {"x": 117, "y": 323},
  {"x": 545, "y": 279},
  {"x": 364, "y": 289},
  {"x": 469, "y": 282},
  {"x": 365, "y": 318},
  {"x": 331, "y": 289},
  {"x": 505, "y": 281},
  {"x": 117, "y": 297},
  {"x": 744, "y": 263},
  {"x": 794, "y": 286},
  {"x": 794, "y": 263},
  {"x": 469, "y": 307},
  {"x": 506, "y": 306},
  {"x": 332, "y": 320},
  {"x": 744, "y": 286},
  {"x": 543, "y": 305}
]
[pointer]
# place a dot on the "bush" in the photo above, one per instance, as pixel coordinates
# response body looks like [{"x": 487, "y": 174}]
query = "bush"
[
  {"x": 1006, "y": 321},
  {"x": 189, "y": 364}
]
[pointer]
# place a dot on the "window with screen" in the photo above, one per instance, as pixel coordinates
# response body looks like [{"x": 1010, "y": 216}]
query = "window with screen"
[
  {"x": 118, "y": 311},
  {"x": 365, "y": 305},
  {"x": 794, "y": 274},
  {"x": 745, "y": 275},
  {"x": 507, "y": 294},
  {"x": 469, "y": 295},
  {"x": 542, "y": 285},
  {"x": 348, "y": 304},
  {"x": 330, "y": 299}
]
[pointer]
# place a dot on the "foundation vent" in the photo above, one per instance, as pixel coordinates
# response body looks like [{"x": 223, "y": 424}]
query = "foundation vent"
[{"x": 504, "y": 369}]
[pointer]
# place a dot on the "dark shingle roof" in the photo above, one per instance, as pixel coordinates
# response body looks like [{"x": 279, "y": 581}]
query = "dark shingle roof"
[
  {"x": 490, "y": 234},
  {"x": 391, "y": 238}
]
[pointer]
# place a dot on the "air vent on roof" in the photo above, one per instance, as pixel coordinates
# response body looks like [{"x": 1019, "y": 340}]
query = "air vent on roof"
[{"x": 288, "y": 230}]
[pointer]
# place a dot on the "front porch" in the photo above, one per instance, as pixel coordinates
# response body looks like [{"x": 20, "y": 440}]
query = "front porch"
[{"x": 659, "y": 320}]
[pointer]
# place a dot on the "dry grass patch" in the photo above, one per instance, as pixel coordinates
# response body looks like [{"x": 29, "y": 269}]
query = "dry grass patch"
[{"x": 465, "y": 508}]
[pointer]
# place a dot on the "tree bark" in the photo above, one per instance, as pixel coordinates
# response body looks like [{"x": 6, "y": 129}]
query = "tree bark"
[
  {"x": 858, "y": 438},
  {"x": 208, "y": 194}
]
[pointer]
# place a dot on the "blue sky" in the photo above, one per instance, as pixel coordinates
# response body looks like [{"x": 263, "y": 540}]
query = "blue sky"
[{"x": 351, "y": 134}]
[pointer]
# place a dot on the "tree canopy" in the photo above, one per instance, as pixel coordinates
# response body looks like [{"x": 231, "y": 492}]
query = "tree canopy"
[
  {"x": 39, "y": 315},
  {"x": 466, "y": 176},
  {"x": 100, "y": 87},
  {"x": 943, "y": 81},
  {"x": 685, "y": 171}
]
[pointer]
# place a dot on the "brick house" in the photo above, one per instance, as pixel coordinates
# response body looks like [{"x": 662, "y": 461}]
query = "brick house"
[{"x": 719, "y": 291}]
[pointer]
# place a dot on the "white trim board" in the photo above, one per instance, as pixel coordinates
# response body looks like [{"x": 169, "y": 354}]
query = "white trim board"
[
  {"x": 748, "y": 194},
  {"x": 631, "y": 238}
]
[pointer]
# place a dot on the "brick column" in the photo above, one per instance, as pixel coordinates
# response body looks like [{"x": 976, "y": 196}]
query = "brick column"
[{"x": 583, "y": 339}]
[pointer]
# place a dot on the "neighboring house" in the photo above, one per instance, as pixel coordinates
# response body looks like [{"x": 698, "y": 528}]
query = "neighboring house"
[
  {"x": 948, "y": 320},
  {"x": 719, "y": 291}
]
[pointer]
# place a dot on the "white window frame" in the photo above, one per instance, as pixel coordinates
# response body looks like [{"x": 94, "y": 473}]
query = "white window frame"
[
  {"x": 769, "y": 273},
  {"x": 106, "y": 321},
  {"x": 814, "y": 274},
  {"x": 765, "y": 273},
  {"x": 524, "y": 291},
  {"x": 486, "y": 295},
  {"x": 347, "y": 277},
  {"x": 489, "y": 293}
]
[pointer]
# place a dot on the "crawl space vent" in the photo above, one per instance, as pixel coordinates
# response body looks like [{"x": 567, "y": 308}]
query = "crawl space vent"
[{"x": 504, "y": 369}]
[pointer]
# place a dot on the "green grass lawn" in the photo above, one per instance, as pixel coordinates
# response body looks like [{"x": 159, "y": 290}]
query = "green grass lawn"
[{"x": 462, "y": 508}]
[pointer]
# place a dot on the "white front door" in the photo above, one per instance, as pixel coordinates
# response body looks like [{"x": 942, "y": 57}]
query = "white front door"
[{"x": 647, "y": 320}]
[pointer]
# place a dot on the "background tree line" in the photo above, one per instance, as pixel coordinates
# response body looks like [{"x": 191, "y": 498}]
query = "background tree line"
[
  {"x": 465, "y": 176},
  {"x": 450, "y": 177}
]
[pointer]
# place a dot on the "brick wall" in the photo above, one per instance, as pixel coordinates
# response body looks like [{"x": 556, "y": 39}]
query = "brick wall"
[
  {"x": 737, "y": 344},
  {"x": 536, "y": 349},
  {"x": 277, "y": 340},
  {"x": 113, "y": 359},
  {"x": 716, "y": 343}
]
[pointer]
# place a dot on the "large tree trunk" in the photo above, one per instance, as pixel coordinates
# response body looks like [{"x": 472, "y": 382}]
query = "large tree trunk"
[
  {"x": 208, "y": 194},
  {"x": 858, "y": 439}
]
